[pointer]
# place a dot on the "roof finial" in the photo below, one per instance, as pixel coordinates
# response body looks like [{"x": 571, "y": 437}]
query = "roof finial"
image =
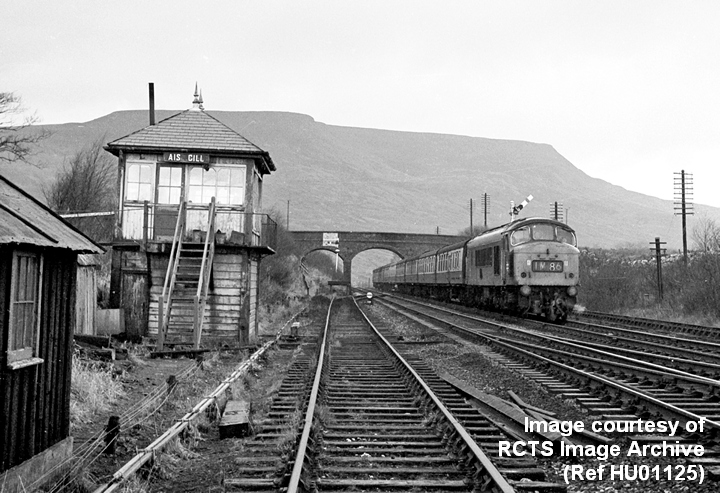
[
  {"x": 201, "y": 101},
  {"x": 197, "y": 101}
]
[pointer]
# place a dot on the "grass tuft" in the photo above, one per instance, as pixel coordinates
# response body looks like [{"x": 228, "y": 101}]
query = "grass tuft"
[{"x": 93, "y": 390}]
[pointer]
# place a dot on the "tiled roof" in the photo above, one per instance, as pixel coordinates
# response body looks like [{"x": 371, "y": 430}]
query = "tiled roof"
[
  {"x": 24, "y": 220},
  {"x": 191, "y": 130}
]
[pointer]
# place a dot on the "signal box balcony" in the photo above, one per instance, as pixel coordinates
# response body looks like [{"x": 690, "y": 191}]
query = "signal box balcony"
[{"x": 153, "y": 225}]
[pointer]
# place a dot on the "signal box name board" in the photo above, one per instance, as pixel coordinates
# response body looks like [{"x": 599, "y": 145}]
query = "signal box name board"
[{"x": 186, "y": 157}]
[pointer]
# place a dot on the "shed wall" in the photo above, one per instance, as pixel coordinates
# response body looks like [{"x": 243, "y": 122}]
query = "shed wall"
[
  {"x": 86, "y": 304},
  {"x": 35, "y": 400}
]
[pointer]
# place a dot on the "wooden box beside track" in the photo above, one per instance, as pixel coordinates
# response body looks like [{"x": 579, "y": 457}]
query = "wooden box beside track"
[{"x": 235, "y": 422}]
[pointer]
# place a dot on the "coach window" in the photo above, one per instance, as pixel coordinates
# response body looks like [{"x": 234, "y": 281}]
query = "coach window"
[
  {"x": 496, "y": 260},
  {"x": 24, "y": 309}
]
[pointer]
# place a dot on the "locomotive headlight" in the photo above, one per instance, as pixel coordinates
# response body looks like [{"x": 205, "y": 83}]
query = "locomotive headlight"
[
  {"x": 525, "y": 290},
  {"x": 571, "y": 291}
]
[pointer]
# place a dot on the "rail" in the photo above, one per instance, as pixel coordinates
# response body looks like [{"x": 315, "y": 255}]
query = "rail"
[
  {"x": 151, "y": 451},
  {"x": 295, "y": 477},
  {"x": 484, "y": 464},
  {"x": 204, "y": 280}
]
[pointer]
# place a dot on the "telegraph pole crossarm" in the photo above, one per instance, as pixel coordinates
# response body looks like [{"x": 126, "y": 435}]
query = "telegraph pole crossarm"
[{"x": 683, "y": 203}]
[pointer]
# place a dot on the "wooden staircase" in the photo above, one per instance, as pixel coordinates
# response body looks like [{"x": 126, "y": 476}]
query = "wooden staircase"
[{"x": 187, "y": 281}]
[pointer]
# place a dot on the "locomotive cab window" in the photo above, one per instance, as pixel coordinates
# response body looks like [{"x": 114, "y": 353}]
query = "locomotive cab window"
[
  {"x": 543, "y": 232},
  {"x": 565, "y": 236},
  {"x": 520, "y": 236}
]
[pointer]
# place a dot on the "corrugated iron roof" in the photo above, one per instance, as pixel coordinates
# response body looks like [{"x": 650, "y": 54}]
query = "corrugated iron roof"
[
  {"x": 25, "y": 220},
  {"x": 191, "y": 130},
  {"x": 88, "y": 260}
]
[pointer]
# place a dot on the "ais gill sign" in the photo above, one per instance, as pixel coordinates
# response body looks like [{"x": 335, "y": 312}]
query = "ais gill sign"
[{"x": 186, "y": 157}]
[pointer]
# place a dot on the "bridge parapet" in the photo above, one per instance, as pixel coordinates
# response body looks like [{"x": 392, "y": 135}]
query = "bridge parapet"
[{"x": 351, "y": 243}]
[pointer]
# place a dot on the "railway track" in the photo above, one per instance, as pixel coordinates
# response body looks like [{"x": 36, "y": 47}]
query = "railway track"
[
  {"x": 610, "y": 386},
  {"x": 697, "y": 356},
  {"x": 669, "y": 327},
  {"x": 374, "y": 421}
]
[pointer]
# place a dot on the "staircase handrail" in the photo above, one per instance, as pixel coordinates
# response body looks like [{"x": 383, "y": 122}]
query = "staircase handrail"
[
  {"x": 204, "y": 279},
  {"x": 170, "y": 275}
]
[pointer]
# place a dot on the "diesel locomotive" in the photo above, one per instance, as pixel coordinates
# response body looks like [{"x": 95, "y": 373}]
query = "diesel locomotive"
[{"x": 529, "y": 267}]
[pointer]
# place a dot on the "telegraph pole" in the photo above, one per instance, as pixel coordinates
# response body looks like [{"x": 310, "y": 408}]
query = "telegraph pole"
[
  {"x": 556, "y": 211},
  {"x": 471, "y": 217},
  {"x": 287, "y": 217},
  {"x": 683, "y": 203},
  {"x": 485, "y": 207},
  {"x": 659, "y": 252}
]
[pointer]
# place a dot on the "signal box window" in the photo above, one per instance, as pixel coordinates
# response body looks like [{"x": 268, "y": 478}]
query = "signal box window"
[
  {"x": 138, "y": 185},
  {"x": 227, "y": 185},
  {"x": 24, "y": 306},
  {"x": 169, "y": 185}
]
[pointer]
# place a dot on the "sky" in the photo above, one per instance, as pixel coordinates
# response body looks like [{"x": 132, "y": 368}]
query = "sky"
[{"x": 628, "y": 91}]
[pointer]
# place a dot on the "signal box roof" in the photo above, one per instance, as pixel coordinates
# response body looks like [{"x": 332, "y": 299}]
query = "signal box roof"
[
  {"x": 26, "y": 221},
  {"x": 192, "y": 130}
]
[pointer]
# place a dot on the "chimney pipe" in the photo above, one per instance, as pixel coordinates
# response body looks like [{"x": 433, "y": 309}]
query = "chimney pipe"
[{"x": 151, "y": 88}]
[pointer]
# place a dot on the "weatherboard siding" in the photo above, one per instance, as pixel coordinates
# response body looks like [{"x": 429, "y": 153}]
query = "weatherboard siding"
[{"x": 223, "y": 312}]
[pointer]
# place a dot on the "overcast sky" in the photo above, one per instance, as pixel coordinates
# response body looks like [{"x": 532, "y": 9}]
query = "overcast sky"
[{"x": 628, "y": 91}]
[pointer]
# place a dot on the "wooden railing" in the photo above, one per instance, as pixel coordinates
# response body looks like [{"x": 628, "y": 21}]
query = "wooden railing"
[
  {"x": 165, "y": 301},
  {"x": 205, "y": 271},
  {"x": 253, "y": 229}
]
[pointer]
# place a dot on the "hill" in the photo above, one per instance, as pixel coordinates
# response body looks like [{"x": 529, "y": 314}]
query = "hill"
[{"x": 344, "y": 178}]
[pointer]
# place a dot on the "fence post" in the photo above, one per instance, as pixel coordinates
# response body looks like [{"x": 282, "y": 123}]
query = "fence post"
[{"x": 112, "y": 431}]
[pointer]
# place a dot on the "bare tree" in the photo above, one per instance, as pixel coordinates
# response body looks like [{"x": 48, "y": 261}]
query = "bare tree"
[
  {"x": 477, "y": 229},
  {"x": 16, "y": 143},
  {"x": 86, "y": 182},
  {"x": 706, "y": 235}
]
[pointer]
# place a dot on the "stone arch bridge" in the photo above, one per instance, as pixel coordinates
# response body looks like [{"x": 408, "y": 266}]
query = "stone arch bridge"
[{"x": 348, "y": 244}]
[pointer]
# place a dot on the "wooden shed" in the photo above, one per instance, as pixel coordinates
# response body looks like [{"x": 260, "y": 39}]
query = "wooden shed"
[
  {"x": 38, "y": 280},
  {"x": 86, "y": 297},
  {"x": 190, "y": 232}
]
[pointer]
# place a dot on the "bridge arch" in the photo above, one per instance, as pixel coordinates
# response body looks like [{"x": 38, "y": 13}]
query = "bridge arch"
[{"x": 352, "y": 243}]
